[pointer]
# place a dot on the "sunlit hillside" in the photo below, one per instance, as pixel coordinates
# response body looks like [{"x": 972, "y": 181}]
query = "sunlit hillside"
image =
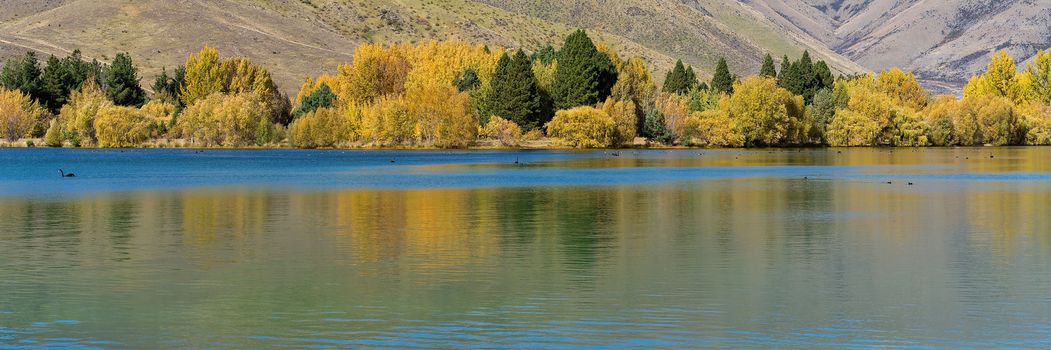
[{"x": 296, "y": 39}]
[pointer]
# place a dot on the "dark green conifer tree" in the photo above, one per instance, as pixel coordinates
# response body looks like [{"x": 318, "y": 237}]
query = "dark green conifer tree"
[
  {"x": 122, "y": 82},
  {"x": 676, "y": 81},
  {"x": 322, "y": 97},
  {"x": 467, "y": 81},
  {"x": 722, "y": 81},
  {"x": 584, "y": 76},
  {"x": 515, "y": 93},
  {"x": 768, "y": 69},
  {"x": 23, "y": 74}
]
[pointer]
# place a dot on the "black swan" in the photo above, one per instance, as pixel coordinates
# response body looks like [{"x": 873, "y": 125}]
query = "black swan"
[{"x": 63, "y": 173}]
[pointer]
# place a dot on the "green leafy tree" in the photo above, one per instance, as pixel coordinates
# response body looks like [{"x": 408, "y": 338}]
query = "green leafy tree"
[
  {"x": 768, "y": 69},
  {"x": 515, "y": 94},
  {"x": 584, "y": 76},
  {"x": 323, "y": 97},
  {"x": 722, "y": 81},
  {"x": 122, "y": 82}
]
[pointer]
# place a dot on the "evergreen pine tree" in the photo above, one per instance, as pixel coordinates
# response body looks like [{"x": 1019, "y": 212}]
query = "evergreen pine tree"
[
  {"x": 584, "y": 76},
  {"x": 786, "y": 67},
  {"x": 545, "y": 55},
  {"x": 24, "y": 75},
  {"x": 122, "y": 82},
  {"x": 467, "y": 81},
  {"x": 722, "y": 81},
  {"x": 515, "y": 94},
  {"x": 675, "y": 82},
  {"x": 807, "y": 80},
  {"x": 823, "y": 75},
  {"x": 691, "y": 78},
  {"x": 322, "y": 97},
  {"x": 768, "y": 69}
]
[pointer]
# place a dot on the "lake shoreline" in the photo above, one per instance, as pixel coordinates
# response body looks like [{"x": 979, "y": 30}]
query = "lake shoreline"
[{"x": 546, "y": 144}]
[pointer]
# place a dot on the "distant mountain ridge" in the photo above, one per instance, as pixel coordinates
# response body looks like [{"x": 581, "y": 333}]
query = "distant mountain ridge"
[{"x": 943, "y": 41}]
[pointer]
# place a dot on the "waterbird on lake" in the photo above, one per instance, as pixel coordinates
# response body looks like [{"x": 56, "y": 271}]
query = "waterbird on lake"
[{"x": 63, "y": 173}]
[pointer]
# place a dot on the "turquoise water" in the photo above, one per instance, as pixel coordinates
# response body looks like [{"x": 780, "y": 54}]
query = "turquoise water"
[{"x": 661, "y": 249}]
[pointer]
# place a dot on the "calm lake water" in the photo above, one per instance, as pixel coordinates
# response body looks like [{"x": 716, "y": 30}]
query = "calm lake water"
[{"x": 652, "y": 249}]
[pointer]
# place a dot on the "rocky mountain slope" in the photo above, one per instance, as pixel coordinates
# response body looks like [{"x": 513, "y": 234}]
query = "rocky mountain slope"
[{"x": 944, "y": 41}]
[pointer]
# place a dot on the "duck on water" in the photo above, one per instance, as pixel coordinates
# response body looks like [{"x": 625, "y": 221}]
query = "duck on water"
[{"x": 64, "y": 174}]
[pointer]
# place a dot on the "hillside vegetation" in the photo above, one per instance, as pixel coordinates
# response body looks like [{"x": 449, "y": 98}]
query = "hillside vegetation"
[{"x": 300, "y": 38}]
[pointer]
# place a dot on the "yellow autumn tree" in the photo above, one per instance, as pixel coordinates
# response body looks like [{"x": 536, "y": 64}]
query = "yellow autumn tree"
[
  {"x": 624, "y": 119},
  {"x": 387, "y": 122},
  {"x": 504, "y": 131},
  {"x": 545, "y": 73},
  {"x": 118, "y": 127},
  {"x": 324, "y": 127},
  {"x": 941, "y": 117},
  {"x": 1001, "y": 78},
  {"x": 1040, "y": 74},
  {"x": 582, "y": 127},
  {"x": 20, "y": 115},
  {"x": 866, "y": 119},
  {"x": 77, "y": 117},
  {"x": 767, "y": 114},
  {"x": 903, "y": 88},
  {"x": 443, "y": 116},
  {"x": 712, "y": 128},
  {"x": 160, "y": 114},
  {"x": 376, "y": 71},
  {"x": 674, "y": 108},
  {"x": 1037, "y": 119},
  {"x": 204, "y": 76},
  {"x": 223, "y": 120},
  {"x": 208, "y": 74},
  {"x": 997, "y": 122}
]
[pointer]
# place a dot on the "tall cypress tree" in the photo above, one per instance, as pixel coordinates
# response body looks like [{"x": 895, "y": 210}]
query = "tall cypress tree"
[
  {"x": 768, "y": 69},
  {"x": 515, "y": 94},
  {"x": 823, "y": 76},
  {"x": 807, "y": 81},
  {"x": 691, "y": 78},
  {"x": 722, "y": 81},
  {"x": 584, "y": 76},
  {"x": 675, "y": 82},
  {"x": 786, "y": 66},
  {"x": 122, "y": 82}
]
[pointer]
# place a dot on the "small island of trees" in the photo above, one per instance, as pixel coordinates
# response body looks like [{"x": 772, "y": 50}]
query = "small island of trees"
[{"x": 453, "y": 94}]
